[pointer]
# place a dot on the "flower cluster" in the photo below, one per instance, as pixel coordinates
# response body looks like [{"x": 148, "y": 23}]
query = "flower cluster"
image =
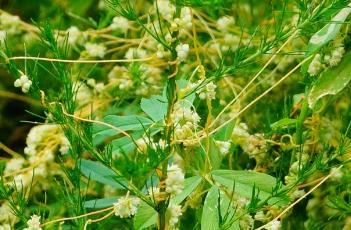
[
  {"x": 185, "y": 121},
  {"x": 24, "y": 83},
  {"x": 120, "y": 24},
  {"x": 174, "y": 211},
  {"x": 95, "y": 50},
  {"x": 33, "y": 223},
  {"x": 207, "y": 91},
  {"x": 175, "y": 180},
  {"x": 182, "y": 51},
  {"x": 126, "y": 206}
]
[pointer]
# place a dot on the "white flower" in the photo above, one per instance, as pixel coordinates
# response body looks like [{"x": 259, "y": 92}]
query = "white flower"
[
  {"x": 160, "y": 51},
  {"x": 74, "y": 35},
  {"x": 336, "y": 56},
  {"x": 83, "y": 93},
  {"x": 175, "y": 180},
  {"x": 223, "y": 146},
  {"x": 174, "y": 212},
  {"x": 95, "y": 50},
  {"x": 224, "y": 22},
  {"x": 33, "y": 223},
  {"x": 166, "y": 9},
  {"x": 207, "y": 92},
  {"x": 24, "y": 83},
  {"x": 182, "y": 51},
  {"x": 14, "y": 164},
  {"x": 315, "y": 66},
  {"x": 186, "y": 17},
  {"x": 126, "y": 206},
  {"x": 120, "y": 23},
  {"x": 260, "y": 216},
  {"x": 274, "y": 225},
  {"x": 135, "y": 53}
]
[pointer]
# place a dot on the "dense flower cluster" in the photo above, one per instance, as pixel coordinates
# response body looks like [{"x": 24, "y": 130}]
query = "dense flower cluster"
[
  {"x": 175, "y": 180},
  {"x": 126, "y": 206}
]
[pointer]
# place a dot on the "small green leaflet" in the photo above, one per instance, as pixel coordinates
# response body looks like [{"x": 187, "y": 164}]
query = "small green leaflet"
[
  {"x": 100, "y": 173},
  {"x": 331, "y": 81},
  {"x": 155, "y": 107},
  {"x": 147, "y": 216},
  {"x": 326, "y": 34},
  {"x": 283, "y": 123},
  {"x": 210, "y": 216},
  {"x": 102, "y": 133}
]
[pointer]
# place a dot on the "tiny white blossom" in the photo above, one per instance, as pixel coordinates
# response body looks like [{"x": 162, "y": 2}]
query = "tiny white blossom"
[
  {"x": 34, "y": 223},
  {"x": 182, "y": 51},
  {"x": 14, "y": 164},
  {"x": 274, "y": 225},
  {"x": 336, "y": 56},
  {"x": 126, "y": 206},
  {"x": 95, "y": 50},
  {"x": 135, "y": 53},
  {"x": 315, "y": 66},
  {"x": 74, "y": 35},
  {"x": 224, "y": 22},
  {"x": 174, "y": 211},
  {"x": 166, "y": 9},
  {"x": 207, "y": 92},
  {"x": 120, "y": 23},
  {"x": 175, "y": 180},
  {"x": 186, "y": 17},
  {"x": 223, "y": 146},
  {"x": 24, "y": 83}
]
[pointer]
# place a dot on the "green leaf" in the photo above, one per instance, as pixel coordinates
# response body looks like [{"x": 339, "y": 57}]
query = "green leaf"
[
  {"x": 283, "y": 123},
  {"x": 147, "y": 216},
  {"x": 244, "y": 182},
  {"x": 102, "y": 133},
  {"x": 331, "y": 81},
  {"x": 100, "y": 203},
  {"x": 326, "y": 34},
  {"x": 225, "y": 133},
  {"x": 155, "y": 107},
  {"x": 210, "y": 215},
  {"x": 100, "y": 173}
]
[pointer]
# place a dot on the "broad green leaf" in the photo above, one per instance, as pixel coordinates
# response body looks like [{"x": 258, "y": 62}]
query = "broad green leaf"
[
  {"x": 100, "y": 173},
  {"x": 102, "y": 133},
  {"x": 214, "y": 155},
  {"x": 147, "y": 216},
  {"x": 100, "y": 203},
  {"x": 190, "y": 184},
  {"x": 331, "y": 81},
  {"x": 283, "y": 123},
  {"x": 326, "y": 34},
  {"x": 155, "y": 107},
  {"x": 244, "y": 182},
  {"x": 210, "y": 215},
  {"x": 225, "y": 133}
]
